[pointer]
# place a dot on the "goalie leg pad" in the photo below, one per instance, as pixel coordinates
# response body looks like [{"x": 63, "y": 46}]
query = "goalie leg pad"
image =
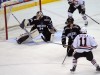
[
  {"x": 34, "y": 33},
  {"x": 22, "y": 38},
  {"x": 26, "y": 38}
]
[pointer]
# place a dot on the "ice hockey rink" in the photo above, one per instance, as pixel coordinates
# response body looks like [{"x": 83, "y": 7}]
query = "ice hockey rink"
[{"x": 46, "y": 58}]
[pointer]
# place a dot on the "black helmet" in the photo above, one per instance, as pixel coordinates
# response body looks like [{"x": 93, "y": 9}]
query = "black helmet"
[
  {"x": 39, "y": 12},
  {"x": 39, "y": 15},
  {"x": 70, "y": 19}
]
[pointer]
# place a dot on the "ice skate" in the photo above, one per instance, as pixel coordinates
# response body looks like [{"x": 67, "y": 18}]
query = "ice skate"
[
  {"x": 86, "y": 23},
  {"x": 98, "y": 68},
  {"x": 73, "y": 69},
  {"x": 43, "y": 39}
]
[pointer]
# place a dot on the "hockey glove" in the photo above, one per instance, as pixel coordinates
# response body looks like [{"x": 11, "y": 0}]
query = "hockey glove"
[
  {"x": 83, "y": 9},
  {"x": 24, "y": 23}
]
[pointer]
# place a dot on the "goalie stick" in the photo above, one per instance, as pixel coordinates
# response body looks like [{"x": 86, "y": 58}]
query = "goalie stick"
[
  {"x": 58, "y": 43},
  {"x": 24, "y": 27}
]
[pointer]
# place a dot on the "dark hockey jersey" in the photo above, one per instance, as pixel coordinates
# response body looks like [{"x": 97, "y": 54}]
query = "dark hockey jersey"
[
  {"x": 42, "y": 24},
  {"x": 70, "y": 33}
]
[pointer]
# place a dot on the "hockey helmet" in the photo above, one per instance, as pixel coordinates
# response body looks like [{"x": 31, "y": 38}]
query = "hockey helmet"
[
  {"x": 70, "y": 19},
  {"x": 39, "y": 13},
  {"x": 83, "y": 30}
]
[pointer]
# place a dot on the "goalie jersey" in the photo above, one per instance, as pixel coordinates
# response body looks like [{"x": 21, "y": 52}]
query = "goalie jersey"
[{"x": 42, "y": 24}]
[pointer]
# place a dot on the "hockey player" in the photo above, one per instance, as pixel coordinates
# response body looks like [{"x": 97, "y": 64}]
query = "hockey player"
[
  {"x": 77, "y": 4},
  {"x": 42, "y": 23},
  {"x": 71, "y": 30},
  {"x": 83, "y": 45}
]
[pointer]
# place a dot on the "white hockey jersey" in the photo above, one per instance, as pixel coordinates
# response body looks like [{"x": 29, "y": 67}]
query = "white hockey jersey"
[
  {"x": 84, "y": 43},
  {"x": 77, "y": 2}
]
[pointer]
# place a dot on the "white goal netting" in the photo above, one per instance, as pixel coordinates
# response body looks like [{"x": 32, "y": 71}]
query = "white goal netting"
[{"x": 12, "y": 14}]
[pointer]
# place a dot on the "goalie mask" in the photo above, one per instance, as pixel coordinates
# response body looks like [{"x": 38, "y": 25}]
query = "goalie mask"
[{"x": 39, "y": 14}]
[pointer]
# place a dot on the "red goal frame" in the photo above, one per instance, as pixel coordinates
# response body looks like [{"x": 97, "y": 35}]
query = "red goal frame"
[{"x": 5, "y": 16}]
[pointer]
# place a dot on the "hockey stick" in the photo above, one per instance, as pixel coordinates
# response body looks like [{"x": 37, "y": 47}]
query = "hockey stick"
[
  {"x": 64, "y": 58},
  {"x": 15, "y": 18},
  {"x": 24, "y": 28},
  {"x": 92, "y": 19},
  {"x": 58, "y": 43}
]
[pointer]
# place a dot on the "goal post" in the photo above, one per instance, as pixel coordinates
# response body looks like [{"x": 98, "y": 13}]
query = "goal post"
[{"x": 8, "y": 8}]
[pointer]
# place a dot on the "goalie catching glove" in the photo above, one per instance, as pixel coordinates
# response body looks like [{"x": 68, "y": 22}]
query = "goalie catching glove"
[{"x": 24, "y": 23}]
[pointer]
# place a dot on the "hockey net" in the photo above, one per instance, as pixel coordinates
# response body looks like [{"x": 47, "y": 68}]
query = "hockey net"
[{"x": 11, "y": 15}]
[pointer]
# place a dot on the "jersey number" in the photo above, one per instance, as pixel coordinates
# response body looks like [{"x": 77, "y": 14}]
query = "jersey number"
[{"x": 81, "y": 42}]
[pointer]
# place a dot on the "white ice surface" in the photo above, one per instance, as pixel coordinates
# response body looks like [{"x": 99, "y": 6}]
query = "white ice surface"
[{"x": 46, "y": 58}]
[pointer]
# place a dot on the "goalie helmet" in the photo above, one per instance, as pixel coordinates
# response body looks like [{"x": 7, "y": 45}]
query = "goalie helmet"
[
  {"x": 83, "y": 30},
  {"x": 39, "y": 15},
  {"x": 69, "y": 20}
]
